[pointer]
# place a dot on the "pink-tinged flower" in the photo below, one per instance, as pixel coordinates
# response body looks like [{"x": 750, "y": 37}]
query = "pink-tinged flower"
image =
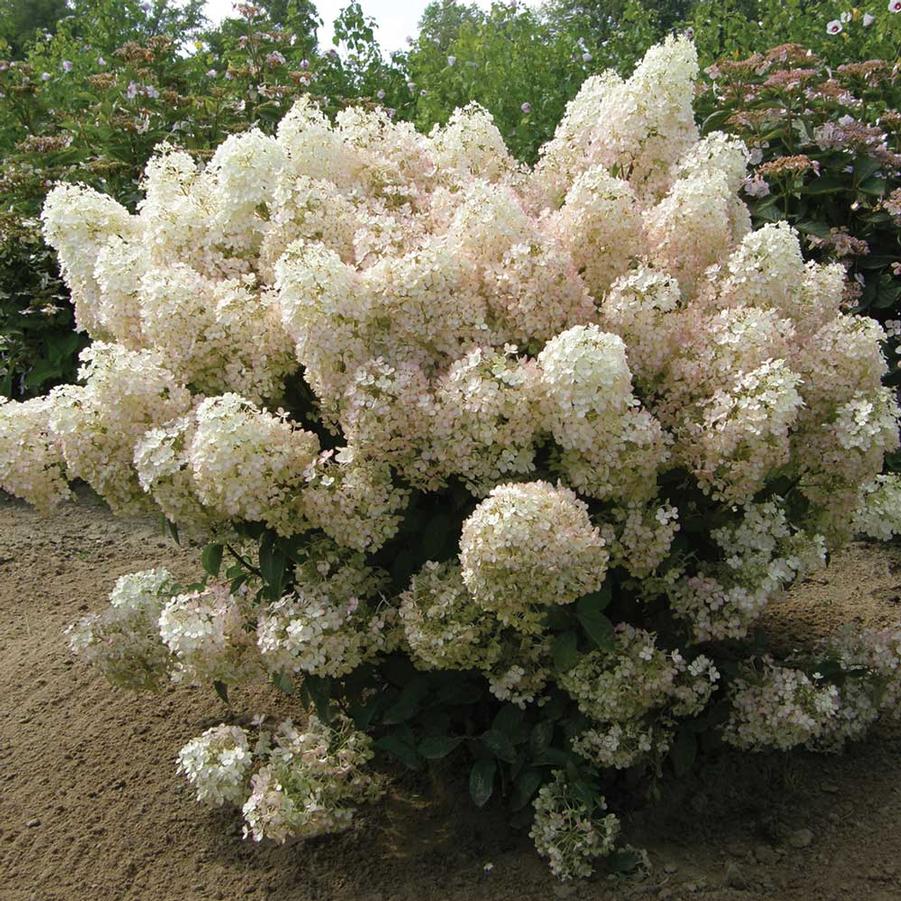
[
  {"x": 894, "y": 6},
  {"x": 868, "y": 19},
  {"x": 305, "y": 64},
  {"x": 275, "y": 59},
  {"x": 690, "y": 33},
  {"x": 101, "y": 61},
  {"x": 834, "y": 27},
  {"x": 756, "y": 187},
  {"x": 452, "y": 60},
  {"x": 211, "y": 73},
  {"x": 132, "y": 90},
  {"x": 526, "y": 108},
  {"x": 380, "y": 94},
  {"x": 45, "y": 76},
  {"x": 151, "y": 92},
  {"x": 67, "y": 65}
]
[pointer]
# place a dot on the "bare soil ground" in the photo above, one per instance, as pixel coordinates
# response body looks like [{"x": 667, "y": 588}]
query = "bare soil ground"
[{"x": 91, "y": 806}]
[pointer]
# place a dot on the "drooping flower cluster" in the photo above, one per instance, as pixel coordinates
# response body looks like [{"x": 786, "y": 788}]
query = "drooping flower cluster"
[
  {"x": 294, "y": 782},
  {"x": 459, "y": 403},
  {"x": 632, "y": 693},
  {"x": 311, "y": 781},
  {"x": 569, "y": 832},
  {"x": 123, "y": 641},
  {"x": 332, "y": 622},
  {"x": 217, "y": 765},
  {"x": 205, "y": 632},
  {"x": 779, "y": 707},
  {"x": 784, "y": 705}
]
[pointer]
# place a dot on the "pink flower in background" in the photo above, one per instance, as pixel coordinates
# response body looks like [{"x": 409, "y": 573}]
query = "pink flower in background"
[
  {"x": 834, "y": 27},
  {"x": 67, "y": 65},
  {"x": 526, "y": 108}
]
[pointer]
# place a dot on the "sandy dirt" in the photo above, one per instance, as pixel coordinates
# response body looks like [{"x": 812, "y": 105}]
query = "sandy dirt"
[{"x": 91, "y": 806}]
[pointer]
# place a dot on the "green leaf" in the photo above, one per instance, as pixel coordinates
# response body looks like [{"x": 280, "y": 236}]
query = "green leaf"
[
  {"x": 624, "y": 861},
  {"x": 597, "y": 627},
  {"x": 565, "y": 651},
  {"x": 525, "y": 787},
  {"x": 408, "y": 702},
  {"x": 509, "y": 720},
  {"x": 684, "y": 751},
  {"x": 318, "y": 690},
  {"x": 398, "y": 745},
  {"x": 555, "y": 757},
  {"x": 541, "y": 737},
  {"x": 499, "y": 744},
  {"x": 436, "y": 536},
  {"x": 864, "y": 168},
  {"x": 282, "y": 681},
  {"x": 273, "y": 565},
  {"x": 211, "y": 558},
  {"x": 363, "y": 714},
  {"x": 875, "y": 187},
  {"x": 221, "y": 689},
  {"x": 481, "y": 781},
  {"x": 435, "y": 747},
  {"x": 827, "y": 184}
]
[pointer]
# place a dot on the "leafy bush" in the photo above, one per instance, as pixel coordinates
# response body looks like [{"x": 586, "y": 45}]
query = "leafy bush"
[
  {"x": 824, "y": 152},
  {"x": 505, "y": 462}
]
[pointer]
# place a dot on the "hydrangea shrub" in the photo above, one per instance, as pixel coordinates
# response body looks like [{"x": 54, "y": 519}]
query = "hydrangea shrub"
[{"x": 489, "y": 460}]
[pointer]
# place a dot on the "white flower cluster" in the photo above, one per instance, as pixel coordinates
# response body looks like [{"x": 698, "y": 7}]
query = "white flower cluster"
[
  {"x": 779, "y": 707},
  {"x": 878, "y": 512},
  {"x": 569, "y": 832},
  {"x": 443, "y": 625},
  {"x": 295, "y": 783},
  {"x": 123, "y": 641},
  {"x": 621, "y": 745},
  {"x": 528, "y": 546},
  {"x": 760, "y": 555},
  {"x": 333, "y": 620},
  {"x": 205, "y": 631},
  {"x": 310, "y": 781},
  {"x": 217, "y": 765},
  {"x": 636, "y": 677},
  {"x": 31, "y": 462}
]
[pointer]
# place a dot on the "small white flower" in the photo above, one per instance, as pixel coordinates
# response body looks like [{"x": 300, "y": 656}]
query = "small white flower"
[
  {"x": 894, "y": 6},
  {"x": 526, "y": 108},
  {"x": 45, "y": 76},
  {"x": 845, "y": 17},
  {"x": 67, "y": 65},
  {"x": 834, "y": 27},
  {"x": 587, "y": 57},
  {"x": 452, "y": 60},
  {"x": 211, "y": 73},
  {"x": 380, "y": 94}
]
